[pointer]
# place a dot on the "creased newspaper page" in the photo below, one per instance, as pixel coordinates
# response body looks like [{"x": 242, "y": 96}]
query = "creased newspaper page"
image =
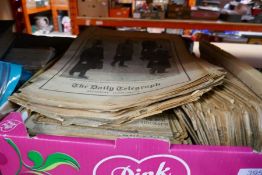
[{"x": 107, "y": 70}]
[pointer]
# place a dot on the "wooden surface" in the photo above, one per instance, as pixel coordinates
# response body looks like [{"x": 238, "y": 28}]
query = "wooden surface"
[
  {"x": 73, "y": 15},
  {"x": 38, "y": 9},
  {"x": 170, "y": 23}
]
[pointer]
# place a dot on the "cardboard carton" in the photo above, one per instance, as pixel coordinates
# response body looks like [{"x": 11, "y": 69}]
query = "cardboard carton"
[
  {"x": 93, "y": 8},
  {"x": 56, "y": 155}
]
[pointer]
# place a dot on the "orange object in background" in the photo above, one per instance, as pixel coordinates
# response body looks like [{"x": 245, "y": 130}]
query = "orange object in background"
[
  {"x": 192, "y": 3},
  {"x": 119, "y": 12}
]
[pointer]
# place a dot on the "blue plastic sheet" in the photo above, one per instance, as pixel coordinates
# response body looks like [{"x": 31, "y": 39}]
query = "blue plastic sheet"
[{"x": 9, "y": 77}]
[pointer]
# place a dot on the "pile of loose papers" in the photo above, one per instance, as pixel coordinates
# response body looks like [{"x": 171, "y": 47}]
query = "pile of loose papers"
[{"x": 111, "y": 77}]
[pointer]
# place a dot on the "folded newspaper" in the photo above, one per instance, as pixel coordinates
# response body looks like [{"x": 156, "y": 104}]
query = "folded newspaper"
[{"x": 117, "y": 77}]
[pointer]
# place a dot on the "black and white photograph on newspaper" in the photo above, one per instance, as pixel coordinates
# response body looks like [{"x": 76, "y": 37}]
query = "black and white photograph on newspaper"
[{"x": 113, "y": 75}]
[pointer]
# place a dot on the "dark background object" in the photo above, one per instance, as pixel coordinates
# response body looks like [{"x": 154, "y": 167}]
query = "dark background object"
[
  {"x": 13, "y": 44},
  {"x": 230, "y": 17},
  {"x": 60, "y": 44},
  {"x": 6, "y": 25},
  {"x": 17, "y": 12},
  {"x": 258, "y": 18},
  {"x": 6, "y": 36}
]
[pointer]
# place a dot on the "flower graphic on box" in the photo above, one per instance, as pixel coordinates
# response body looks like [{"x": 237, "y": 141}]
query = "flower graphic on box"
[
  {"x": 41, "y": 166},
  {"x": 9, "y": 125}
]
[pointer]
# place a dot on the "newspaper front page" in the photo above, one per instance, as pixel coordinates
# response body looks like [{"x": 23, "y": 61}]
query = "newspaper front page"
[{"x": 112, "y": 71}]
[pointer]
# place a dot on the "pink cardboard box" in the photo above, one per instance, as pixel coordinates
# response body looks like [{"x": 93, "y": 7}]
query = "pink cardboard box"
[{"x": 55, "y": 155}]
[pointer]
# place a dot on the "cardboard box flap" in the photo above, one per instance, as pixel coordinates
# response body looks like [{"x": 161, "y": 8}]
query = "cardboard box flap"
[
  {"x": 20, "y": 154},
  {"x": 77, "y": 140}
]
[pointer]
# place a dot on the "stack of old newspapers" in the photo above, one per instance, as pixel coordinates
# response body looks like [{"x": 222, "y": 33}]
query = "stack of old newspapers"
[
  {"x": 230, "y": 114},
  {"x": 113, "y": 84},
  {"x": 109, "y": 81}
]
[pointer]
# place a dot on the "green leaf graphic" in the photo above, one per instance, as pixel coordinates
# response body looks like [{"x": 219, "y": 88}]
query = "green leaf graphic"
[
  {"x": 57, "y": 159},
  {"x": 54, "y": 165},
  {"x": 11, "y": 143},
  {"x": 35, "y": 157},
  {"x": 40, "y": 167}
]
